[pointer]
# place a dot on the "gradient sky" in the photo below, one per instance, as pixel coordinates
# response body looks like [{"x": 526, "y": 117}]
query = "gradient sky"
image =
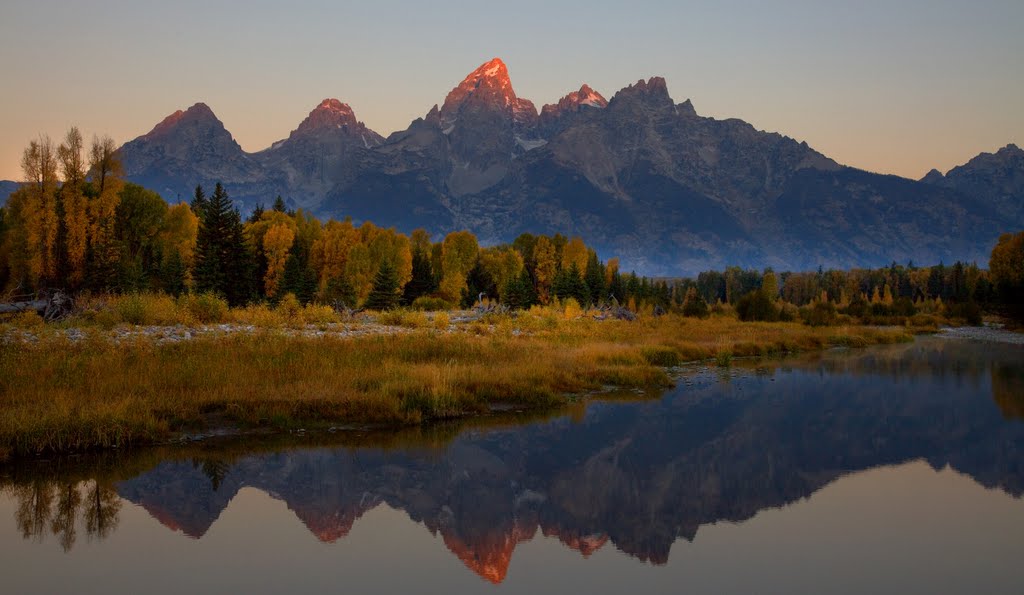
[{"x": 890, "y": 86}]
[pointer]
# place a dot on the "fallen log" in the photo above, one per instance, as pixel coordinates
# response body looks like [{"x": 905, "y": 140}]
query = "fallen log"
[
  {"x": 52, "y": 306},
  {"x": 16, "y": 307}
]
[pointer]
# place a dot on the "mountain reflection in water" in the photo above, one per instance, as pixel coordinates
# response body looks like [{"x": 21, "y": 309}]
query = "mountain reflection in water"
[{"x": 632, "y": 473}]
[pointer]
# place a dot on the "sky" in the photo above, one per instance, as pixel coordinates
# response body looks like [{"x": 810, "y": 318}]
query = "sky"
[{"x": 889, "y": 86}]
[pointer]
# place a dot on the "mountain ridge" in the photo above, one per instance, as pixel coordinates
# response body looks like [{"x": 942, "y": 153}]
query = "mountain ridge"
[{"x": 639, "y": 175}]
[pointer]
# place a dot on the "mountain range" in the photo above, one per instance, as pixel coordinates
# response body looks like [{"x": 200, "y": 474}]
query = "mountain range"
[{"x": 638, "y": 176}]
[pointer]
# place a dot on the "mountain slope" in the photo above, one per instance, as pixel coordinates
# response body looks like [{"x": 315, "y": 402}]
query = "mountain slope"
[
  {"x": 192, "y": 147},
  {"x": 6, "y": 188},
  {"x": 639, "y": 176},
  {"x": 996, "y": 178}
]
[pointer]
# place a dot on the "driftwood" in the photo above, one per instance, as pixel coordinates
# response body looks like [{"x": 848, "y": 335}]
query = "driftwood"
[
  {"x": 342, "y": 308},
  {"x": 614, "y": 310},
  {"x": 51, "y": 305},
  {"x": 482, "y": 308}
]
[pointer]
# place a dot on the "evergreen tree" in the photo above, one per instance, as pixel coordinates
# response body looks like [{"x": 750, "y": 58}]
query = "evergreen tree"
[
  {"x": 423, "y": 279},
  {"x": 298, "y": 278},
  {"x": 172, "y": 274},
  {"x": 384, "y": 295},
  {"x": 519, "y": 293},
  {"x": 242, "y": 283},
  {"x": 594, "y": 277},
  {"x": 257, "y": 213},
  {"x": 694, "y": 305},
  {"x": 199, "y": 203},
  {"x": 223, "y": 263},
  {"x": 478, "y": 281},
  {"x": 340, "y": 291},
  {"x": 569, "y": 283},
  {"x": 617, "y": 289},
  {"x": 279, "y": 205}
]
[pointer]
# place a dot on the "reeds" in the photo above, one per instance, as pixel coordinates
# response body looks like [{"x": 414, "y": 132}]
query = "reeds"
[{"x": 57, "y": 395}]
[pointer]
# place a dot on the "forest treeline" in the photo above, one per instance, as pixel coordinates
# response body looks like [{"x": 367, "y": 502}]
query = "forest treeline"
[{"x": 76, "y": 224}]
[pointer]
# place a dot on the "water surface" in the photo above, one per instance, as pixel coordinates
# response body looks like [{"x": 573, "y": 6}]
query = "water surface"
[{"x": 892, "y": 469}]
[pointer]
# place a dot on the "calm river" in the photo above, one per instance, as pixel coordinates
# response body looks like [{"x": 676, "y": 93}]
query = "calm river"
[{"x": 895, "y": 469}]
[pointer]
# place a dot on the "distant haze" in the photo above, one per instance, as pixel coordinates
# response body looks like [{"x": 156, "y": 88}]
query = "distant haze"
[{"x": 889, "y": 87}]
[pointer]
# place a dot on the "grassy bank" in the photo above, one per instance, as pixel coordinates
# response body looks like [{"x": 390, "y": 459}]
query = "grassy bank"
[{"x": 58, "y": 395}]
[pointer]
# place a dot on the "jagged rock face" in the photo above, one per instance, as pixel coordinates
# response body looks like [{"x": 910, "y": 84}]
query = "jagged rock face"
[
  {"x": 189, "y": 148},
  {"x": 325, "y": 149},
  {"x": 556, "y": 117},
  {"x": 996, "y": 178},
  {"x": 482, "y": 119},
  {"x": 639, "y": 176}
]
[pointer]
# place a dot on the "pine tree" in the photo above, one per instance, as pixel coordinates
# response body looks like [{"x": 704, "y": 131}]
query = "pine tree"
[
  {"x": 384, "y": 295},
  {"x": 241, "y": 281},
  {"x": 616, "y": 288},
  {"x": 257, "y": 213},
  {"x": 172, "y": 274},
  {"x": 199, "y": 203},
  {"x": 279, "y": 205},
  {"x": 298, "y": 278},
  {"x": 340, "y": 291},
  {"x": 223, "y": 263},
  {"x": 422, "y": 282},
  {"x": 694, "y": 305},
  {"x": 594, "y": 277},
  {"x": 519, "y": 293},
  {"x": 569, "y": 283}
]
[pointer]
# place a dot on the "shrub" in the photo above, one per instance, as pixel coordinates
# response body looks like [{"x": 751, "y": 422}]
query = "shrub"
[
  {"x": 757, "y": 305},
  {"x": 904, "y": 306},
  {"x": 661, "y": 356},
  {"x": 290, "y": 308},
  {"x": 257, "y": 315},
  {"x": 723, "y": 309},
  {"x": 206, "y": 308},
  {"x": 968, "y": 311},
  {"x": 819, "y": 314},
  {"x": 147, "y": 309},
  {"x": 430, "y": 304},
  {"x": 441, "y": 321},
  {"x": 319, "y": 314},
  {"x": 572, "y": 309},
  {"x": 695, "y": 307},
  {"x": 788, "y": 312},
  {"x": 27, "y": 320}
]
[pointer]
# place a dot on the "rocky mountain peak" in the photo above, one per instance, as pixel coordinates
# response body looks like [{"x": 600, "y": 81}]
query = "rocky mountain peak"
[
  {"x": 933, "y": 177},
  {"x": 198, "y": 114},
  {"x": 653, "y": 91},
  {"x": 332, "y": 118},
  {"x": 329, "y": 114},
  {"x": 585, "y": 97},
  {"x": 489, "y": 85}
]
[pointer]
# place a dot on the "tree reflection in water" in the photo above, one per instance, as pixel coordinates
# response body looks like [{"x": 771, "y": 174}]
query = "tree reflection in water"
[{"x": 61, "y": 507}]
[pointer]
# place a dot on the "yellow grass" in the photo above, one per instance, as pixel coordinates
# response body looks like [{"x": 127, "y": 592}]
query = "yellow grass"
[{"x": 59, "y": 396}]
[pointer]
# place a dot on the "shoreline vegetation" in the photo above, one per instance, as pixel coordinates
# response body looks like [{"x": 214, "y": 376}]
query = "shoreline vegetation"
[
  {"x": 192, "y": 317},
  {"x": 87, "y": 383}
]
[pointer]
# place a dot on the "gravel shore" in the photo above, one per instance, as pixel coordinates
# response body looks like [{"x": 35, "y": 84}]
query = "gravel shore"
[{"x": 991, "y": 334}]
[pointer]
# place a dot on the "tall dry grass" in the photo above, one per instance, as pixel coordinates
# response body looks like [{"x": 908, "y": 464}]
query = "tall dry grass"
[{"x": 60, "y": 396}]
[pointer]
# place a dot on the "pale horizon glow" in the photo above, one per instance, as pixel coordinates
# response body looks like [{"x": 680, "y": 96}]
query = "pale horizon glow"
[{"x": 897, "y": 89}]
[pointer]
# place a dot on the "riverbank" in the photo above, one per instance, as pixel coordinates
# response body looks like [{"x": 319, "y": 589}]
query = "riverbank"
[
  {"x": 988, "y": 333},
  {"x": 72, "y": 389}
]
